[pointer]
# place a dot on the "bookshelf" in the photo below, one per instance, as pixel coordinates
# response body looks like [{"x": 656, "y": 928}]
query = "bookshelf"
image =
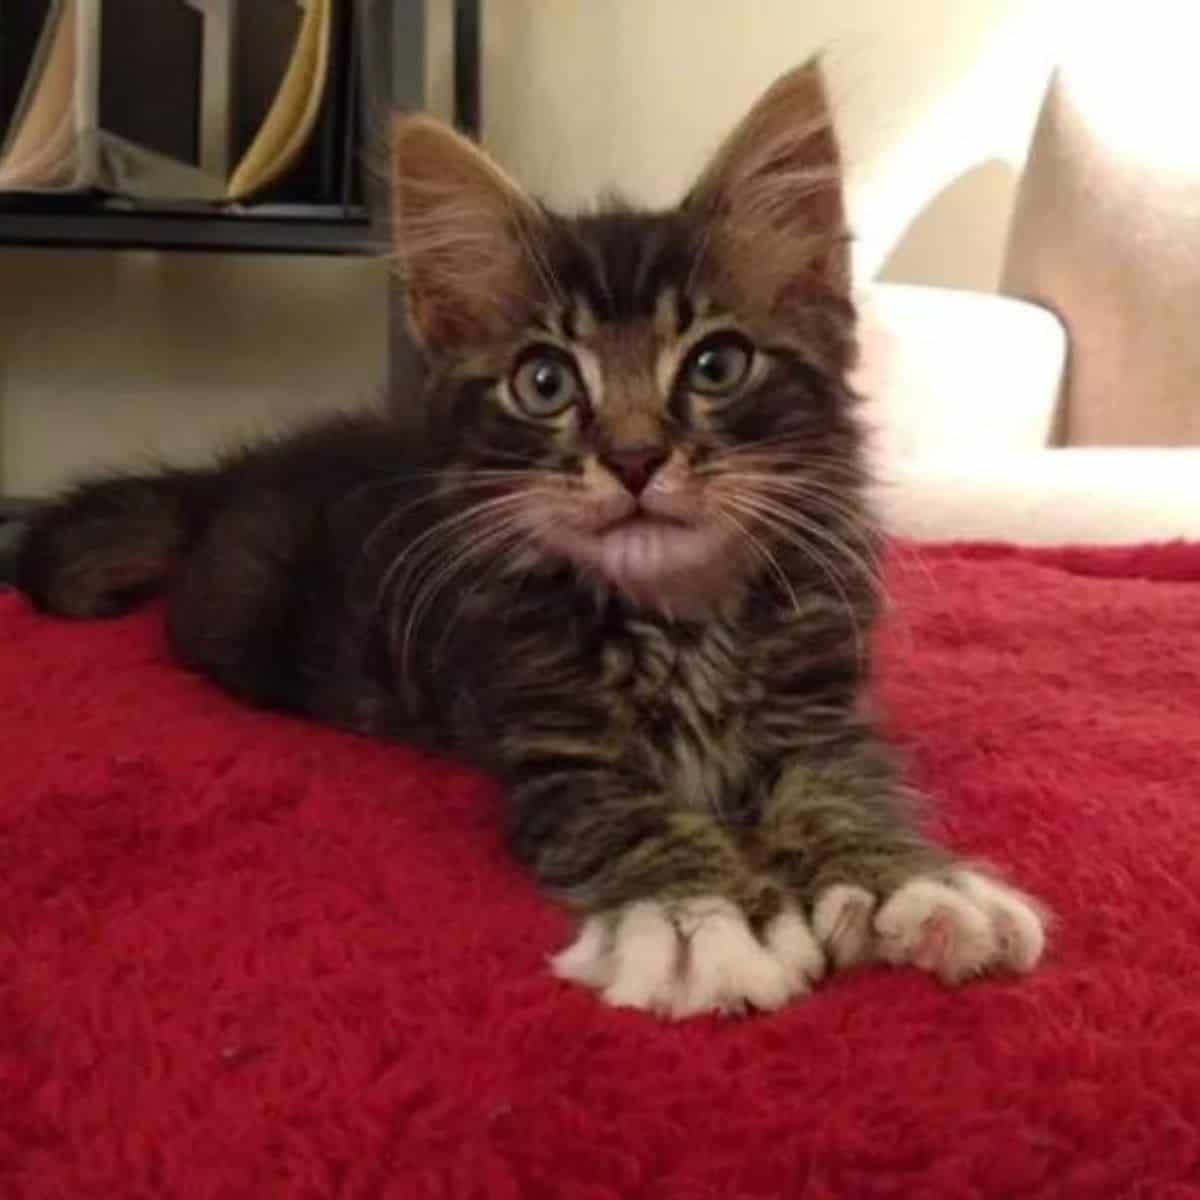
[
  {"x": 399, "y": 54},
  {"x": 404, "y": 40}
]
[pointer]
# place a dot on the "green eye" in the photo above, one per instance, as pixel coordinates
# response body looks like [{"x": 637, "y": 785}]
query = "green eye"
[
  {"x": 545, "y": 383},
  {"x": 719, "y": 364}
]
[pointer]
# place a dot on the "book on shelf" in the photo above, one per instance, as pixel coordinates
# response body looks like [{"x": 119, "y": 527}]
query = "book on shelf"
[
  {"x": 292, "y": 116},
  {"x": 165, "y": 100},
  {"x": 38, "y": 144}
]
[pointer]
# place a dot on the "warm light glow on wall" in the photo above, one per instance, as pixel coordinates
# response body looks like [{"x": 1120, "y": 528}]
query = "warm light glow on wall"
[
  {"x": 1130, "y": 72},
  {"x": 987, "y": 114}
]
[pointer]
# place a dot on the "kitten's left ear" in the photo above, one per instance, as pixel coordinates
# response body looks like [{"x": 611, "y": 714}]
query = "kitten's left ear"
[
  {"x": 466, "y": 237},
  {"x": 771, "y": 198}
]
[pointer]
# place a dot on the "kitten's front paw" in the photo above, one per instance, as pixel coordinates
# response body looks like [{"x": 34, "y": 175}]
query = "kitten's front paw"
[
  {"x": 683, "y": 958},
  {"x": 956, "y": 926}
]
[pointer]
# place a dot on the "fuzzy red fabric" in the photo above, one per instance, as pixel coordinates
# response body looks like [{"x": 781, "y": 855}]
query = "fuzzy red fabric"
[{"x": 243, "y": 956}]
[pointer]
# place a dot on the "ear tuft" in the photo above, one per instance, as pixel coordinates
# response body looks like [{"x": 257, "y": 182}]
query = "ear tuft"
[
  {"x": 771, "y": 198},
  {"x": 464, "y": 235}
]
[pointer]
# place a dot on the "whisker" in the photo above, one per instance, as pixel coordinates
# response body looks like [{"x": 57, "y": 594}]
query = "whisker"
[
  {"x": 502, "y": 560},
  {"x": 394, "y": 516},
  {"x": 511, "y": 456},
  {"x": 764, "y": 555},
  {"x": 858, "y": 524},
  {"x": 878, "y": 545},
  {"x": 867, "y": 570},
  {"x": 807, "y": 488},
  {"x": 780, "y": 440},
  {"x": 486, "y": 543},
  {"x": 747, "y": 506},
  {"x": 421, "y": 546}
]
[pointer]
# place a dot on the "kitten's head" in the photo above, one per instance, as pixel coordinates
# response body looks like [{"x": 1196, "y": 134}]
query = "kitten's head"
[{"x": 659, "y": 398}]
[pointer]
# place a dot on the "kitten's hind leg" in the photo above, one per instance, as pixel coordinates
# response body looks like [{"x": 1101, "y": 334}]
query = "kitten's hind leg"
[
  {"x": 230, "y": 613},
  {"x": 100, "y": 549}
]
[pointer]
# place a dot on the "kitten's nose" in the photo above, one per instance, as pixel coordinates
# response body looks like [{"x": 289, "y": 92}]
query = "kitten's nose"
[{"x": 635, "y": 466}]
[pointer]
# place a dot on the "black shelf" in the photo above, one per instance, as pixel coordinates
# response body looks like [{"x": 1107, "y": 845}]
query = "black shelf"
[{"x": 264, "y": 229}]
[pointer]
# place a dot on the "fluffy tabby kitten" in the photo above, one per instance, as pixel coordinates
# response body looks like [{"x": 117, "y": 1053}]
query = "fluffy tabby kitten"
[{"x": 631, "y": 572}]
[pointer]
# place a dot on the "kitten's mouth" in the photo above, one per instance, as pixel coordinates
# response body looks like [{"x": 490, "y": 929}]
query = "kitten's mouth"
[
  {"x": 641, "y": 519},
  {"x": 664, "y": 549},
  {"x": 645, "y": 549}
]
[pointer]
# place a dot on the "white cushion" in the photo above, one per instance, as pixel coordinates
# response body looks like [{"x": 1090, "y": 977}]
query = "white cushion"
[
  {"x": 948, "y": 371},
  {"x": 1046, "y": 497},
  {"x": 962, "y": 393}
]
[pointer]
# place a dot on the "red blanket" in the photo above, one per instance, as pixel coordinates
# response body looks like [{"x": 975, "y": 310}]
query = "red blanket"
[{"x": 242, "y": 956}]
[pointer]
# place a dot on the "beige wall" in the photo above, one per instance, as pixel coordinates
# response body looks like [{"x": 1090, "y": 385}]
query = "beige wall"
[
  {"x": 935, "y": 100},
  {"x": 109, "y": 356}
]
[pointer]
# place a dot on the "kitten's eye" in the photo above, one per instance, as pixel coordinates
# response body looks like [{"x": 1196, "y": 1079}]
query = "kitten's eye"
[
  {"x": 545, "y": 383},
  {"x": 719, "y": 364}
]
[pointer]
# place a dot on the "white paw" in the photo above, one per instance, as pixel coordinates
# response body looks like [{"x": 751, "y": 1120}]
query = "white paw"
[
  {"x": 684, "y": 958},
  {"x": 956, "y": 927}
]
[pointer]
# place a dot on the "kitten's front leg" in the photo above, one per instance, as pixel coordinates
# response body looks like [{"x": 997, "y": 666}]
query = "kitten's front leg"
[
  {"x": 842, "y": 836},
  {"x": 674, "y": 920}
]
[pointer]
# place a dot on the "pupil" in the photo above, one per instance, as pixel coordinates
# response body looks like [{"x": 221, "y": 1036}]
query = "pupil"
[
  {"x": 546, "y": 381},
  {"x": 711, "y": 366}
]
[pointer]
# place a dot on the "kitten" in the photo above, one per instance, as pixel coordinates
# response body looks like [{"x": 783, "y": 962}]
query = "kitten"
[{"x": 632, "y": 572}]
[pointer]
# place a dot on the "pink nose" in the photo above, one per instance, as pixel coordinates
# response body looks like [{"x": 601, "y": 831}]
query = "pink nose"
[{"x": 636, "y": 466}]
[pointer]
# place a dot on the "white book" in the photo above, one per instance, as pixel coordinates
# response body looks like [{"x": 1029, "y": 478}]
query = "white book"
[
  {"x": 63, "y": 139},
  {"x": 39, "y": 150}
]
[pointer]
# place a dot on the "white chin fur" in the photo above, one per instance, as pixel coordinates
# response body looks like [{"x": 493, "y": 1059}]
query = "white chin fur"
[
  {"x": 644, "y": 552},
  {"x": 659, "y": 563},
  {"x": 655, "y": 559}
]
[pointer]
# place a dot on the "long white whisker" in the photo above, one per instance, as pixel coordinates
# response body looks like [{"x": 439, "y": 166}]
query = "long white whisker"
[
  {"x": 827, "y": 497},
  {"x": 859, "y": 526},
  {"x": 420, "y": 547},
  {"x": 764, "y": 555},
  {"x": 485, "y": 544},
  {"x": 853, "y": 538},
  {"x": 749, "y": 508},
  {"x": 792, "y": 441},
  {"x": 523, "y": 531},
  {"x": 449, "y": 484},
  {"x": 839, "y": 545}
]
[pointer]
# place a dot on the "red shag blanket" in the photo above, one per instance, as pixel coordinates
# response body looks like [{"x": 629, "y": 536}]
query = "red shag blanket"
[{"x": 242, "y": 956}]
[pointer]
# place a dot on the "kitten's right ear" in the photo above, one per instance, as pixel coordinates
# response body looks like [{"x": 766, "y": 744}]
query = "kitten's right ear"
[
  {"x": 771, "y": 198},
  {"x": 465, "y": 237}
]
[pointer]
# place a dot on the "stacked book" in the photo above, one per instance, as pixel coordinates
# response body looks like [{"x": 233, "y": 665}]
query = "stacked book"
[{"x": 176, "y": 100}]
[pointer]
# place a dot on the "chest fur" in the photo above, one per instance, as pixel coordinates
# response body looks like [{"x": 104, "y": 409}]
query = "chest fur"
[{"x": 685, "y": 705}]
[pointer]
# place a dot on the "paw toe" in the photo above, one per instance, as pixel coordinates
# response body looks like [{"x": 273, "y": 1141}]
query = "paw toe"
[
  {"x": 932, "y": 926},
  {"x": 645, "y": 959},
  {"x": 728, "y": 970},
  {"x": 1018, "y": 922},
  {"x": 588, "y": 959},
  {"x": 842, "y": 923},
  {"x": 794, "y": 946}
]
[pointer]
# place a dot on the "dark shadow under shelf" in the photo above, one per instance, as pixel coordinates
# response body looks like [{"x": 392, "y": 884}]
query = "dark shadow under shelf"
[{"x": 262, "y": 229}]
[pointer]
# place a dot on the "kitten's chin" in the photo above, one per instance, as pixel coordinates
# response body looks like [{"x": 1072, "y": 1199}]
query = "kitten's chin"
[{"x": 658, "y": 562}]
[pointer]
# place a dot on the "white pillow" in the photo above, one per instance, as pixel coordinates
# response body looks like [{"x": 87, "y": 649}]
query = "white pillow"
[{"x": 949, "y": 372}]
